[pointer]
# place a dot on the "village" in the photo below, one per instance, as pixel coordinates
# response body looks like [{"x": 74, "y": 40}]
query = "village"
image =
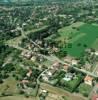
[{"x": 49, "y": 52}]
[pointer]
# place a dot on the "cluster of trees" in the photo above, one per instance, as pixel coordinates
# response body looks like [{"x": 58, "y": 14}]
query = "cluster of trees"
[
  {"x": 6, "y": 68},
  {"x": 84, "y": 89},
  {"x": 4, "y": 71},
  {"x": 4, "y": 52},
  {"x": 11, "y": 19},
  {"x": 88, "y": 57}
]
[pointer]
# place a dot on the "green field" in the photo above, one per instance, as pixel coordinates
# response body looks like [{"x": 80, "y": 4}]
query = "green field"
[{"x": 85, "y": 37}]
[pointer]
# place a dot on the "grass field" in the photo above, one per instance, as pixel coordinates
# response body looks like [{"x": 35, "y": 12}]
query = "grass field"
[
  {"x": 95, "y": 44},
  {"x": 11, "y": 83},
  {"x": 10, "y": 86},
  {"x": 18, "y": 97},
  {"x": 85, "y": 37}
]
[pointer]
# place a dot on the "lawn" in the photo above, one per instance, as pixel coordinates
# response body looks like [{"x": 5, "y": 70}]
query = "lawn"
[
  {"x": 9, "y": 85},
  {"x": 85, "y": 37},
  {"x": 72, "y": 84},
  {"x": 18, "y": 97},
  {"x": 95, "y": 44},
  {"x": 85, "y": 89},
  {"x": 68, "y": 31}
]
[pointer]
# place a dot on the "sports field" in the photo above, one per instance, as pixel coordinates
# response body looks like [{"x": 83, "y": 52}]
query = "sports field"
[{"x": 85, "y": 37}]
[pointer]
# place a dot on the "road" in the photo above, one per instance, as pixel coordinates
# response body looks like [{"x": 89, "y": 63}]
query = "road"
[
  {"x": 24, "y": 35},
  {"x": 38, "y": 82},
  {"x": 53, "y": 58},
  {"x": 96, "y": 69},
  {"x": 84, "y": 71},
  {"x": 93, "y": 91}
]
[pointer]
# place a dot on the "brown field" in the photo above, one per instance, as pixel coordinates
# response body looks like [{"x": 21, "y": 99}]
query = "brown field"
[
  {"x": 60, "y": 92},
  {"x": 17, "y": 98}
]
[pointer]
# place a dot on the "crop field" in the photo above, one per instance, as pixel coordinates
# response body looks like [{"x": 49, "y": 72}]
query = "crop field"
[{"x": 82, "y": 37}]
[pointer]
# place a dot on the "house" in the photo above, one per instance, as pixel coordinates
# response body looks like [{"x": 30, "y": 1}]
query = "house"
[
  {"x": 49, "y": 73},
  {"x": 65, "y": 67},
  {"x": 56, "y": 65},
  {"x": 45, "y": 78},
  {"x": 24, "y": 81},
  {"x": 29, "y": 73},
  {"x": 68, "y": 76},
  {"x": 96, "y": 53},
  {"x": 95, "y": 97},
  {"x": 33, "y": 58},
  {"x": 44, "y": 91},
  {"x": 74, "y": 62},
  {"x": 55, "y": 49},
  {"x": 68, "y": 59},
  {"x": 88, "y": 80},
  {"x": 53, "y": 71},
  {"x": 26, "y": 54}
]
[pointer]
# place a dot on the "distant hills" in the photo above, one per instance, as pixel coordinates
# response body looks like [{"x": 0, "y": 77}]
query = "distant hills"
[
  {"x": 6, "y": 1},
  {"x": 41, "y": 1}
]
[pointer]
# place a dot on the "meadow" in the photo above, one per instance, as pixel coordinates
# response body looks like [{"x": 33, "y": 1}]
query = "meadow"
[{"x": 81, "y": 37}]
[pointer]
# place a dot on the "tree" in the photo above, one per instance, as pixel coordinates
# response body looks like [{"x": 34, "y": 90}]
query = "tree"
[
  {"x": 1, "y": 81},
  {"x": 62, "y": 52}
]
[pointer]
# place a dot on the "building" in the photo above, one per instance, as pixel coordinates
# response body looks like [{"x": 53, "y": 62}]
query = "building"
[
  {"x": 26, "y": 54},
  {"x": 88, "y": 80},
  {"x": 45, "y": 78},
  {"x": 68, "y": 59},
  {"x": 33, "y": 58},
  {"x": 24, "y": 81},
  {"x": 49, "y": 73},
  {"x": 68, "y": 77},
  {"x": 29, "y": 73},
  {"x": 95, "y": 97},
  {"x": 65, "y": 67},
  {"x": 96, "y": 53},
  {"x": 74, "y": 62},
  {"x": 56, "y": 65}
]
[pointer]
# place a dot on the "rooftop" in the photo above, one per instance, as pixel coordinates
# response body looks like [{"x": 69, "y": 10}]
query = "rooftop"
[{"x": 88, "y": 78}]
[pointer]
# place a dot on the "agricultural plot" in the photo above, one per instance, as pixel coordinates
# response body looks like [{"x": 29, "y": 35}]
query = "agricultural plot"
[{"x": 81, "y": 37}]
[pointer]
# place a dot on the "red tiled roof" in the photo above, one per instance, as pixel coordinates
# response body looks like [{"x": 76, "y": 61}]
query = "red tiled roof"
[
  {"x": 95, "y": 97},
  {"x": 88, "y": 78}
]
